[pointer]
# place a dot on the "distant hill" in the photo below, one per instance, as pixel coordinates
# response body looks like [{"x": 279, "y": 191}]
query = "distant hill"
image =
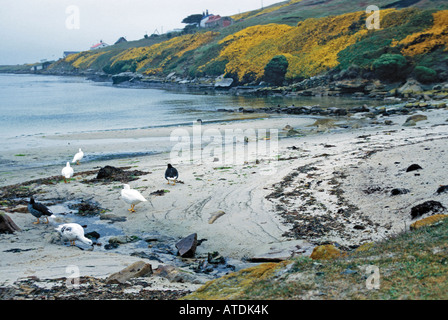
[{"x": 314, "y": 37}]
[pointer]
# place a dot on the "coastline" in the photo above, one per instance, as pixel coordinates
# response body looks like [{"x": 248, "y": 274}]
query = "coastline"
[{"x": 316, "y": 196}]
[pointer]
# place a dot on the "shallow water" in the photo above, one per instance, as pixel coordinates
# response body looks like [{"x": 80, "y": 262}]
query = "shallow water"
[
  {"x": 152, "y": 246},
  {"x": 33, "y": 107}
]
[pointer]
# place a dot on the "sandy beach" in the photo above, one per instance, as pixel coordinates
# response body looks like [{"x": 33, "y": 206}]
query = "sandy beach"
[{"x": 331, "y": 185}]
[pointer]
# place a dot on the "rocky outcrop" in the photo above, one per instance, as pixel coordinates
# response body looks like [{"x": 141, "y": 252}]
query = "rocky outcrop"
[
  {"x": 135, "y": 270},
  {"x": 427, "y": 207},
  {"x": 224, "y": 83},
  {"x": 187, "y": 246},
  {"x": 410, "y": 87},
  {"x": 7, "y": 225},
  {"x": 125, "y": 76},
  {"x": 326, "y": 252},
  {"x": 428, "y": 221}
]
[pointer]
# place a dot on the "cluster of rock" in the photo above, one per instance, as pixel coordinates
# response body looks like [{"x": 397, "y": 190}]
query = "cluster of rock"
[
  {"x": 322, "y": 85},
  {"x": 334, "y": 111}
]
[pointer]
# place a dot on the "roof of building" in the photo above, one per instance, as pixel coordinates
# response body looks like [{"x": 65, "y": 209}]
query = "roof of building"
[
  {"x": 213, "y": 18},
  {"x": 99, "y": 44}
]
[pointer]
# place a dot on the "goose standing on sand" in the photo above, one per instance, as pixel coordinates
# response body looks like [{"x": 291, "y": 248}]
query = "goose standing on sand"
[
  {"x": 38, "y": 210},
  {"x": 78, "y": 157},
  {"x": 73, "y": 232},
  {"x": 171, "y": 174},
  {"x": 67, "y": 172},
  {"x": 131, "y": 196}
]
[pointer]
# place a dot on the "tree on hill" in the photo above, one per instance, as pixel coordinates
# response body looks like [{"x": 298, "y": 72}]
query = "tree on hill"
[
  {"x": 192, "y": 23},
  {"x": 193, "y": 19},
  {"x": 275, "y": 70}
]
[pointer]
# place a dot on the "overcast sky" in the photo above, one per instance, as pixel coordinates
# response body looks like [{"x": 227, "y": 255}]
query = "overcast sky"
[{"x": 31, "y": 30}]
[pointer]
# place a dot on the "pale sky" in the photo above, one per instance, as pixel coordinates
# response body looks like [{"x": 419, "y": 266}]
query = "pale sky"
[{"x": 31, "y": 30}]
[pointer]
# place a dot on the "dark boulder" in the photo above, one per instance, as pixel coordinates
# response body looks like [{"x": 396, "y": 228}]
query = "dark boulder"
[
  {"x": 397, "y": 191},
  {"x": 7, "y": 225},
  {"x": 413, "y": 167},
  {"x": 215, "y": 258},
  {"x": 187, "y": 246},
  {"x": 426, "y": 207},
  {"x": 109, "y": 172},
  {"x": 363, "y": 108},
  {"x": 93, "y": 235},
  {"x": 442, "y": 189}
]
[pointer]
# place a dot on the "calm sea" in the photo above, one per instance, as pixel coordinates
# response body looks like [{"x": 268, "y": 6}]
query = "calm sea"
[{"x": 33, "y": 106}]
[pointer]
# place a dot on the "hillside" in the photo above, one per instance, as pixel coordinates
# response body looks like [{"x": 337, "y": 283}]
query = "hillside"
[{"x": 310, "y": 38}]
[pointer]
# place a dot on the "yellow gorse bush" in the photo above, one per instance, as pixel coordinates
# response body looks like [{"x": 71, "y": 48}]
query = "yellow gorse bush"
[
  {"x": 423, "y": 42},
  {"x": 153, "y": 58},
  {"x": 310, "y": 48},
  {"x": 84, "y": 59},
  {"x": 250, "y": 49}
]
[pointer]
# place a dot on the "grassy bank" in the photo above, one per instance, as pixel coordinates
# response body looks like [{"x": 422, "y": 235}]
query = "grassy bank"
[{"x": 412, "y": 265}]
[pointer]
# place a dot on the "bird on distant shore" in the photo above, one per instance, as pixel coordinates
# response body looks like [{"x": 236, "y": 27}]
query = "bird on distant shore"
[
  {"x": 38, "y": 210},
  {"x": 78, "y": 157},
  {"x": 73, "y": 232},
  {"x": 171, "y": 174},
  {"x": 67, "y": 172},
  {"x": 131, "y": 196}
]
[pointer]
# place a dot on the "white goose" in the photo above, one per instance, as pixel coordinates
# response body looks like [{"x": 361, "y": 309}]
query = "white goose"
[
  {"x": 131, "y": 196},
  {"x": 73, "y": 232},
  {"x": 67, "y": 172},
  {"x": 78, "y": 157}
]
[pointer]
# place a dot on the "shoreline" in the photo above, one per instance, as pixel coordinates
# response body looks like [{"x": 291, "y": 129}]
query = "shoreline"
[
  {"x": 316, "y": 196},
  {"x": 323, "y": 176}
]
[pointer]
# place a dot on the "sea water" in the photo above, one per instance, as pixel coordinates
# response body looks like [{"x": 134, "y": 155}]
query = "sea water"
[{"x": 33, "y": 107}]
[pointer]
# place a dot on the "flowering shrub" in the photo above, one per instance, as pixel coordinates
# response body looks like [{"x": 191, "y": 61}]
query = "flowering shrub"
[
  {"x": 310, "y": 48},
  {"x": 152, "y": 60},
  {"x": 425, "y": 41},
  {"x": 249, "y": 50},
  {"x": 85, "y": 59}
]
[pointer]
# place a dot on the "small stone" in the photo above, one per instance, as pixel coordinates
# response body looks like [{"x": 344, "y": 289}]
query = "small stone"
[
  {"x": 215, "y": 216},
  {"x": 112, "y": 217},
  {"x": 215, "y": 258},
  {"x": 417, "y": 118},
  {"x": 398, "y": 191},
  {"x": 92, "y": 235},
  {"x": 409, "y": 123}
]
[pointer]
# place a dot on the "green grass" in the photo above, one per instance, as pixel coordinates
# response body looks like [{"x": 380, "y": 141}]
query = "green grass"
[{"x": 412, "y": 265}]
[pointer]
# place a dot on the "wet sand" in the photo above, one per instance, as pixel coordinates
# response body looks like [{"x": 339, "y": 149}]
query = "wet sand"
[{"x": 271, "y": 203}]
